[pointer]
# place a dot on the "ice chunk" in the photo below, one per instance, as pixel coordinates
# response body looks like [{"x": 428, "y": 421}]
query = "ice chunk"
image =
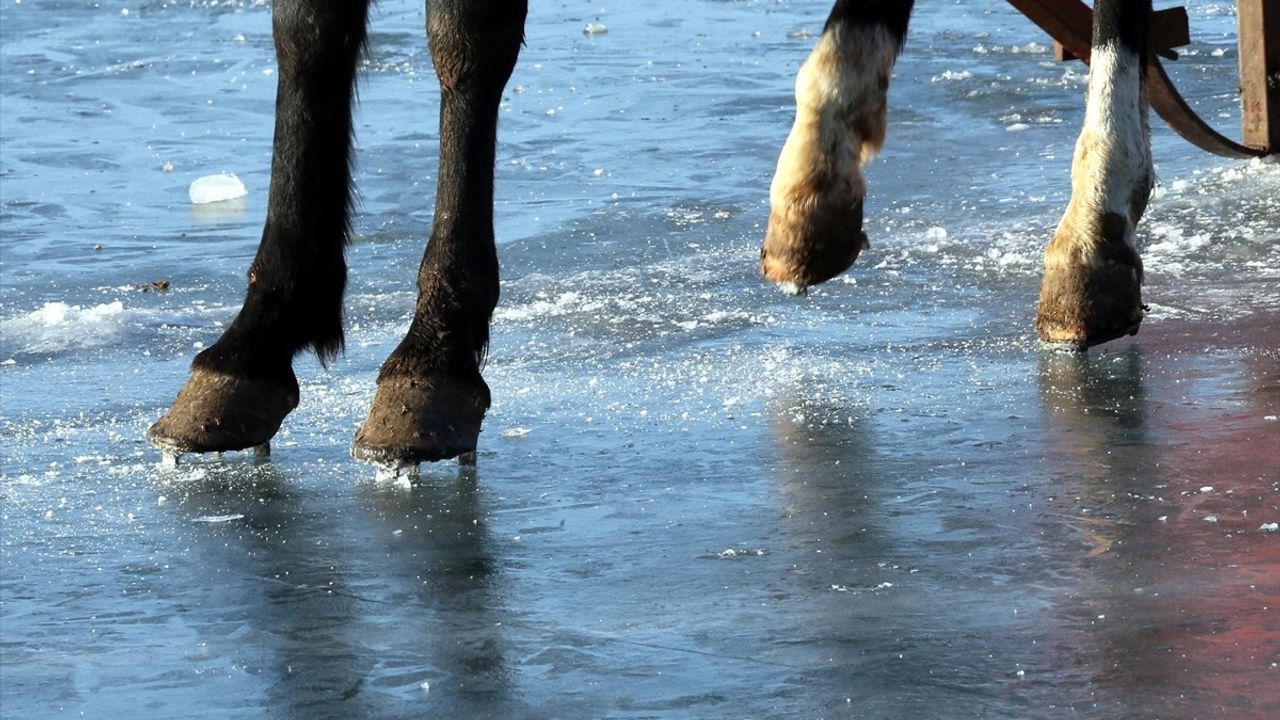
[
  {"x": 1269, "y": 527},
  {"x": 216, "y": 188},
  {"x": 594, "y": 29}
]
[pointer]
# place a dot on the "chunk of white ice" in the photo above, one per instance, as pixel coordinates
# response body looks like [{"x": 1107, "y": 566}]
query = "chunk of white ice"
[{"x": 216, "y": 188}]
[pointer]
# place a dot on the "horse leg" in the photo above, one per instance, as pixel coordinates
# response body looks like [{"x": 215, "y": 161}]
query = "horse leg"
[
  {"x": 243, "y": 386},
  {"x": 1091, "y": 292},
  {"x": 431, "y": 398},
  {"x": 815, "y": 218}
]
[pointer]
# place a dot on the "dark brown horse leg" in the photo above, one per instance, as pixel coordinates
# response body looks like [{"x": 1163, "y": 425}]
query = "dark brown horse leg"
[
  {"x": 243, "y": 386},
  {"x": 431, "y": 398},
  {"x": 815, "y": 218},
  {"x": 1092, "y": 287}
]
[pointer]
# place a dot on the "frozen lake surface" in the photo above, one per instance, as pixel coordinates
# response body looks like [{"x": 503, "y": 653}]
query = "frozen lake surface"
[{"x": 696, "y": 497}]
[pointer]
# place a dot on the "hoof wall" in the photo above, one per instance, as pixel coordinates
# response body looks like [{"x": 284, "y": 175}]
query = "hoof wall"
[
  {"x": 216, "y": 412},
  {"x": 413, "y": 421},
  {"x": 1087, "y": 343}
]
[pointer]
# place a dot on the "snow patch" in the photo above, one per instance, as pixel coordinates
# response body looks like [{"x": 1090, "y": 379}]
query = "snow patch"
[{"x": 58, "y": 326}]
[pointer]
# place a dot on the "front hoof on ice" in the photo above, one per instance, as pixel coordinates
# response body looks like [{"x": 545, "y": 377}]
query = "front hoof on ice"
[
  {"x": 217, "y": 412},
  {"x": 804, "y": 247},
  {"x": 414, "y": 420},
  {"x": 1089, "y": 301}
]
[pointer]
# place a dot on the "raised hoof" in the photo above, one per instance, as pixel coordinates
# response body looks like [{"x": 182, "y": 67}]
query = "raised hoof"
[
  {"x": 1093, "y": 341},
  {"x": 215, "y": 412},
  {"x": 802, "y": 249},
  {"x": 414, "y": 421}
]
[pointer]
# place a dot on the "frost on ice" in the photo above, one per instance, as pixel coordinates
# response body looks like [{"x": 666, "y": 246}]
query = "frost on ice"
[
  {"x": 216, "y": 188},
  {"x": 218, "y": 518}
]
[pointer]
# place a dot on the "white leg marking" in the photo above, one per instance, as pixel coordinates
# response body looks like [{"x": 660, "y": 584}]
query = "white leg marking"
[
  {"x": 839, "y": 125},
  {"x": 1111, "y": 171}
]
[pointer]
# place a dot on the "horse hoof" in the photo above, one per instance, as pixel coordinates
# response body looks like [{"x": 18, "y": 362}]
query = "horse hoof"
[
  {"x": 1083, "y": 345},
  {"x": 413, "y": 421},
  {"x": 215, "y": 412},
  {"x": 1087, "y": 299},
  {"x": 808, "y": 246}
]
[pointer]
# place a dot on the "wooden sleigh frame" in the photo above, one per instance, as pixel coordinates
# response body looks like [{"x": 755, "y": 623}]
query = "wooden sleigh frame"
[{"x": 1070, "y": 24}]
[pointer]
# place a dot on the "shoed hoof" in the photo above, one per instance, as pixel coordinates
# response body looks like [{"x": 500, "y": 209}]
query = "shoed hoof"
[
  {"x": 414, "y": 420},
  {"x": 396, "y": 472},
  {"x": 804, "y": 248},
  {"x": 1069, "y": 343},
  {"x": 1083, "y": 305},
  {"x": 216, "y": 412}
]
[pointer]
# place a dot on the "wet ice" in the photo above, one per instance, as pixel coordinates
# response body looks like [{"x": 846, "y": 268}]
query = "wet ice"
[{"x": 661, "y": 418}]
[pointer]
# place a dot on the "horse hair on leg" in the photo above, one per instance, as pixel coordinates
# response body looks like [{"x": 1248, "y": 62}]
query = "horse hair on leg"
[
  {"x": 1092, "y": 286},
  {"x": 815, "y": 218},
  {"x": 242, "y": 387},
  {"x": 431, "y": 398}
]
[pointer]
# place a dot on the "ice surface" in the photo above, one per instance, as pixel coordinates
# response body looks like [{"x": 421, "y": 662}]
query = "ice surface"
[
  {"x": 895, "y": 439},
  {"x": 216, "y": 188}
]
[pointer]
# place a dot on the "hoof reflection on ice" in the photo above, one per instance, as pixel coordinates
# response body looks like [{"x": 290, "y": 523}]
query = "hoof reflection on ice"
[
  {"x": 1164, "y": 598},
  {"x": 303, "y": 594}
]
